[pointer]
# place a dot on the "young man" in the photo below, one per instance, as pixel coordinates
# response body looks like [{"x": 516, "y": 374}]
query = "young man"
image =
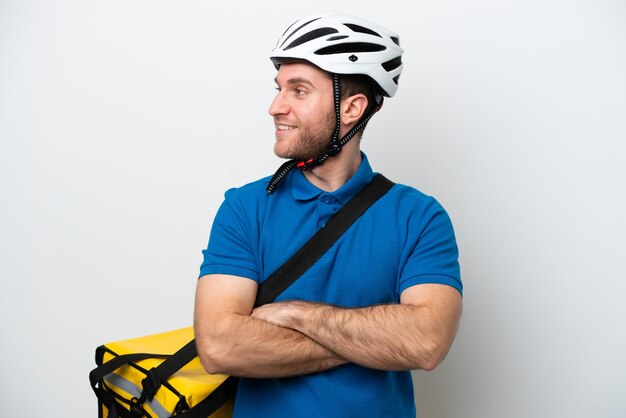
[{"x": 384, "y": 300}]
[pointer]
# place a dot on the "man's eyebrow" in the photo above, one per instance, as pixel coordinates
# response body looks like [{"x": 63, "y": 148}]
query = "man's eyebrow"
[{"x": 296, "y": 80}]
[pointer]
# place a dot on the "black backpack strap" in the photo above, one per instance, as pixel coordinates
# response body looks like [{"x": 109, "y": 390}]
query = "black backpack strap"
[
  {"x": 167, "y": 368},
  {"x": 214, "y": 401},
  {"x": 321, "y": 242},
  {"x": 273, "y": 286},
  {"x": 97, "y": 375}
]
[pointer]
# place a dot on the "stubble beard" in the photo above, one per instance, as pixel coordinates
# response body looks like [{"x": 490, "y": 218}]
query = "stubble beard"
[{"x": 311, "y": 142}]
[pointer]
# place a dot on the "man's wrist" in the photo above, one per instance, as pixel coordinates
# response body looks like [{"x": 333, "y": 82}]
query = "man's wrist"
[{"x": 304, "y": 316}]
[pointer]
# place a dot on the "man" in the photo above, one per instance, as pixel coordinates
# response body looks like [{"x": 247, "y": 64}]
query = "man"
[{"x": 384, "y": 300}]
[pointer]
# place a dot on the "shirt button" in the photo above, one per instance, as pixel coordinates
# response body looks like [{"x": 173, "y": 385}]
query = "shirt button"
[
  {"x": 321, "y": 224},
  {"x": 327, "y": 199}
]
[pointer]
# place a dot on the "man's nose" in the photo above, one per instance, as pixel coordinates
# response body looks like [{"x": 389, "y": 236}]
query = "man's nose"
[{"x": 279, "y": 105}]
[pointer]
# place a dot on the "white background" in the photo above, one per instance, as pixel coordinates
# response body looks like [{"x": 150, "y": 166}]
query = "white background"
[{"x": 123, "y": 122}]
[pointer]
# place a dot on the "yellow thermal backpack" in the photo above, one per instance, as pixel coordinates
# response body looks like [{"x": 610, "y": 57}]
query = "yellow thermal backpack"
[{"x": 129, "y": 383}]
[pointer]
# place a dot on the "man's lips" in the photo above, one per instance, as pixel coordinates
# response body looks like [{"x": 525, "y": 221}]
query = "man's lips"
[{"x": 282, "y": 128}]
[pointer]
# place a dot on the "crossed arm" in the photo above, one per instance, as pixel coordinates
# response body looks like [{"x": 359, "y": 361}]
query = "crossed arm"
[{"x": 294, "y": 338}]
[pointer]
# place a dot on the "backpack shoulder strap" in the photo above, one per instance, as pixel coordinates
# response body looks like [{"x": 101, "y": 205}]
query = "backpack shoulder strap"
[{"x": 321, "y": 242}]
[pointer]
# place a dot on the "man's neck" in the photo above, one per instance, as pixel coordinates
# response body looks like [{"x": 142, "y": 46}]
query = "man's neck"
[{"x": 337, "y": 170}]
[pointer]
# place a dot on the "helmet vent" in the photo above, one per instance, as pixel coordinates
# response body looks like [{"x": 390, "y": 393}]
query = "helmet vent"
[
  {"x": 336, "y": 38},
  {"x": 395, "y": 40},
  {"x": 295, "y": 31},
  {"x": 361, "y": 29},
  {"x": 350, "y": 47},
  {"x": 309, "y": 36},
  {"x": 392, "y": 64},
  {"x": 396, "y": 78}
]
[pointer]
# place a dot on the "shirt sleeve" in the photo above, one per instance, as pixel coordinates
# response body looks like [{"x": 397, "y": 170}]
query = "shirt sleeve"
[
  {"x": 229, "y": 250},
  {"x": 434, "y": 255}
]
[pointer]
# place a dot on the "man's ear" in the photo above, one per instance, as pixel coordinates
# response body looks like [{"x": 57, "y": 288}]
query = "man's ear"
[{"x": 353, "y": 108}]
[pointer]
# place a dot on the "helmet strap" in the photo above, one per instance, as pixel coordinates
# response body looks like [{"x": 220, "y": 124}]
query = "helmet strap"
[{"x": 335, "y": 144}]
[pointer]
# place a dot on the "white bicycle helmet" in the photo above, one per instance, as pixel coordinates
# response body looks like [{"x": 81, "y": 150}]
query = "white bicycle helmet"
[{"x": 344, "y": 44}]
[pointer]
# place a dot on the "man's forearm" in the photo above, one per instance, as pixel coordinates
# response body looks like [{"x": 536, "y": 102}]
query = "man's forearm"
[
  {"x": 388, "y": 337},
  {"x": 382, "y": 337},
  {"x": 243, "y": 346}
]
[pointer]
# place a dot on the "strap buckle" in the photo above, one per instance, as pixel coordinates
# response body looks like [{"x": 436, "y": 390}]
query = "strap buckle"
[
  {"x": 150, "y": 384},
  {"x": 136, "y": 408},
  {"x": 305, "y": 165}
]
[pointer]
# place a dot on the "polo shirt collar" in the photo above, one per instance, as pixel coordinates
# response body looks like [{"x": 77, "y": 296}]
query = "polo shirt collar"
[{"x": 302, "y": 189}]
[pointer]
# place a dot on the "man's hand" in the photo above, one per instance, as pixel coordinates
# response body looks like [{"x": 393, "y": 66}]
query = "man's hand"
[{"x": 284, "y": 314}]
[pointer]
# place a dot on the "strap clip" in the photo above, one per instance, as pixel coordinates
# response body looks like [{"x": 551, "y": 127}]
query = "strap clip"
[
  {"x": 305, "y": 165},
  {"x": 136, "y": 409},
  {"x": 334, "y": 149},
  {"x": 150, "y": 384}
]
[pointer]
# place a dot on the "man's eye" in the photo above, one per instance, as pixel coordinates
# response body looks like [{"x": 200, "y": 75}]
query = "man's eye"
[{"x": 300, "y": 92}]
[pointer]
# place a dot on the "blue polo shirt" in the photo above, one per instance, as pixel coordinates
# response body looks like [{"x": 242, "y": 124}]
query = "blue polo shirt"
[{"x": 405, "y": 239}]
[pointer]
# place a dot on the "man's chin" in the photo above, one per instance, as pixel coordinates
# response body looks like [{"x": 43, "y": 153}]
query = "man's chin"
[
  {"x": 280, "y": 153},
  {"x": 300, "y": 155},
  {"x": 292, "y": 156},
  {"x": 289, "y": 155}
]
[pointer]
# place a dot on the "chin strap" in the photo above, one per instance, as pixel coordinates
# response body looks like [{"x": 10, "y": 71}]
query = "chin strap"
[{"x": 335, "y": 144}]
